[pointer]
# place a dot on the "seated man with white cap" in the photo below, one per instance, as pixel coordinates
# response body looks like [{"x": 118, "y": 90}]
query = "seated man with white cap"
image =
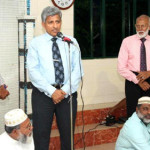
[
  {"x": 18, "y": 132},
  {"x": 135, "y": 134}
]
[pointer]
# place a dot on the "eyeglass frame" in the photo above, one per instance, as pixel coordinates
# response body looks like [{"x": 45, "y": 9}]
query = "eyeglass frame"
[{"x": 141, "y": 26}]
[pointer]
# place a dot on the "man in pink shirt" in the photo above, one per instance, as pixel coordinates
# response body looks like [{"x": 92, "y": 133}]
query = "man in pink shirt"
[{"x": 130, "y": 63}]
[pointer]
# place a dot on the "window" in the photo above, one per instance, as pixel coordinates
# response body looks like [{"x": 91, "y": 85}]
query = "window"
[{"x": 100, "y": 25}]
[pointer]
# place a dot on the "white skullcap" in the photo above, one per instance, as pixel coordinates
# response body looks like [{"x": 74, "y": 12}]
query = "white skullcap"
[
  {"x": 144, "y": 100},
  {"x": 15, "y": 117}
]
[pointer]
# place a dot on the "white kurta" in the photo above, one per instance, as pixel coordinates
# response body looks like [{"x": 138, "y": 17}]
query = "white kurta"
[{"x": 7, "y": 143}]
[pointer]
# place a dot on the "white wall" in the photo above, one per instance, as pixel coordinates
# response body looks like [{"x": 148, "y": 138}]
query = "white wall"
[
  {"x": 9, "y": 11},
  {"x": 102, "y": 85}
]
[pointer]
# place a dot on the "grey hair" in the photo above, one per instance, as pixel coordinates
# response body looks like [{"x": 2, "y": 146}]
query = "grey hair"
[
  {"x": 139, "y": 105},
  {"x": 144, "y": 16},
  {"x": 50, "y": 11},
  {"x": 10, "y": 129}
]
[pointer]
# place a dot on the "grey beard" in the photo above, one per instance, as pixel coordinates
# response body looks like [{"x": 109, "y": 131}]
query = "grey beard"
[
  {"x": 144, "y": 35},
  {"x": 25, "y": 139},
  {"x": 142, "y": 117}
]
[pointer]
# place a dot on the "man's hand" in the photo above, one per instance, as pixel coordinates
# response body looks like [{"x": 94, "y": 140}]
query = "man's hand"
[
  {"x": 58, "y": 96},
  {"x": 3, "y": 92},
  {"x": 144, "y": 85},
  {"x": 142, "y": 76}
]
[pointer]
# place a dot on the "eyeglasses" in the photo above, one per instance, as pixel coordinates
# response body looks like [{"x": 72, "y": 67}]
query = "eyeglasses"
[
  {"x": 28, "y": 127},
  {"x": 141, "y": 26}
]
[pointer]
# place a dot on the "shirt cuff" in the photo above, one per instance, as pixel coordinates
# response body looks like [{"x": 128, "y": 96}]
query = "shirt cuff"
[
  {"x": 65, "y": 88},
  {"x": 135, "y": 80},
  {"x": 50, "y": 90}
]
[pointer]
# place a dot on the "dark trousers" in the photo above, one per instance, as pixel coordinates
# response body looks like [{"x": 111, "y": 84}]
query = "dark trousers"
[
  {"x": 133, "y": 93},
  {"x": 43, "y": 111}
]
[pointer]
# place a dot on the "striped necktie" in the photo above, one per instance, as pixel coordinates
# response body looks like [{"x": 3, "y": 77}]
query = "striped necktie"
[{"x": 143, "y": 66}]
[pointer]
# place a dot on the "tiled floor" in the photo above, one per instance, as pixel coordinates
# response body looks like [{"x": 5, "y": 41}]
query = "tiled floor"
[
  {"x": 109, "y": 146},
  {"x": 102, "y": 133}
]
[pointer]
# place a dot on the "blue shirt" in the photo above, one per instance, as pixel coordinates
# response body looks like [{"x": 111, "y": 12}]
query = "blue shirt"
[
  {"x": 41, "y": 68},
  {"x": 134, "y": 135}
]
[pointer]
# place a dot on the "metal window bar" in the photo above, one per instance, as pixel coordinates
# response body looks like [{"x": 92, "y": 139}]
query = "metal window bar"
[{"x": 25, "y": 34}]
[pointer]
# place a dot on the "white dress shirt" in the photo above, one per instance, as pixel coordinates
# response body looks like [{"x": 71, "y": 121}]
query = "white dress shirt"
[{"x": 41, "y": 68}]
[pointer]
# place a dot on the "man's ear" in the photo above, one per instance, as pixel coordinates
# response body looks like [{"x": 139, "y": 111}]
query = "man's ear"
[
  {"x": 14, "y": 132},
  {"x": 136, "y": 109},
  {"x": 43, "y": 24}
]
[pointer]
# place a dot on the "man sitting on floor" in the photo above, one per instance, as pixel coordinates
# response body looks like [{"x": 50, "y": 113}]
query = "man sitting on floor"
[
  {"x": 18, "y": 132},
  {"x": 135, "y": 134}
]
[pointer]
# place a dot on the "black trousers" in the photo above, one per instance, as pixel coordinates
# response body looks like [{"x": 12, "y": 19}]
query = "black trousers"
[
  {"x": 133, "y": 92},
  {"x": 43, "y": 111}
]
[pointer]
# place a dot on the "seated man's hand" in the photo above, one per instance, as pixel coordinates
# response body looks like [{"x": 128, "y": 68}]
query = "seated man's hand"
[{"x": 3, "y": 92}]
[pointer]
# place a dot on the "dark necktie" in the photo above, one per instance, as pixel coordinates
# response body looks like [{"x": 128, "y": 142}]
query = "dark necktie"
[
  {"x": 59, "y": 70},
  {"x": 143, "y": 66}
]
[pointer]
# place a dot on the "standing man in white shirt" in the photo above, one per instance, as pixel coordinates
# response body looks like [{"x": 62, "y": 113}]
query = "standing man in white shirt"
[{"x": 49, "y": 72}]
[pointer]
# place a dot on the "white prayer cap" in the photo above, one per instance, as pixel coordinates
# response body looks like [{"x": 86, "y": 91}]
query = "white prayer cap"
[
  {"x": 144, "y": 100},
  {"x": 15, "y": 117}
]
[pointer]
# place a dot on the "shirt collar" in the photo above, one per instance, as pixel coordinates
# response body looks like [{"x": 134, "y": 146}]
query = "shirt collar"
[
  {"x": 147, "y": 37},
  {"x": 49, "y": 37}
]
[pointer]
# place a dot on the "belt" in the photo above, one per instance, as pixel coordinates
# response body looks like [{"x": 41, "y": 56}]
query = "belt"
[{"x": 57, "y": 86}]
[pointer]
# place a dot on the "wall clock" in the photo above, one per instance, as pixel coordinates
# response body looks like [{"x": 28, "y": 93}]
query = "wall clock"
[{"x": 63, "y": 4}]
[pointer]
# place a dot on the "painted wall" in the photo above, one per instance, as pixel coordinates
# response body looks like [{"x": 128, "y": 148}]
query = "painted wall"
[
  {"x": 9, "y": 11},
  {"x": 102, "y": 85}
]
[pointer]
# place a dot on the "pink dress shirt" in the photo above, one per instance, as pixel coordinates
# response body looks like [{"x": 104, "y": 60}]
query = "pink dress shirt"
[{"x": 129, "y": 57}]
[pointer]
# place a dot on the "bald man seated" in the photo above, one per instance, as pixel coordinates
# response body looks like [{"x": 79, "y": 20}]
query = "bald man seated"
[
  {"x": 18, "y": 132},
  {"x": 135, "y": 134}
]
